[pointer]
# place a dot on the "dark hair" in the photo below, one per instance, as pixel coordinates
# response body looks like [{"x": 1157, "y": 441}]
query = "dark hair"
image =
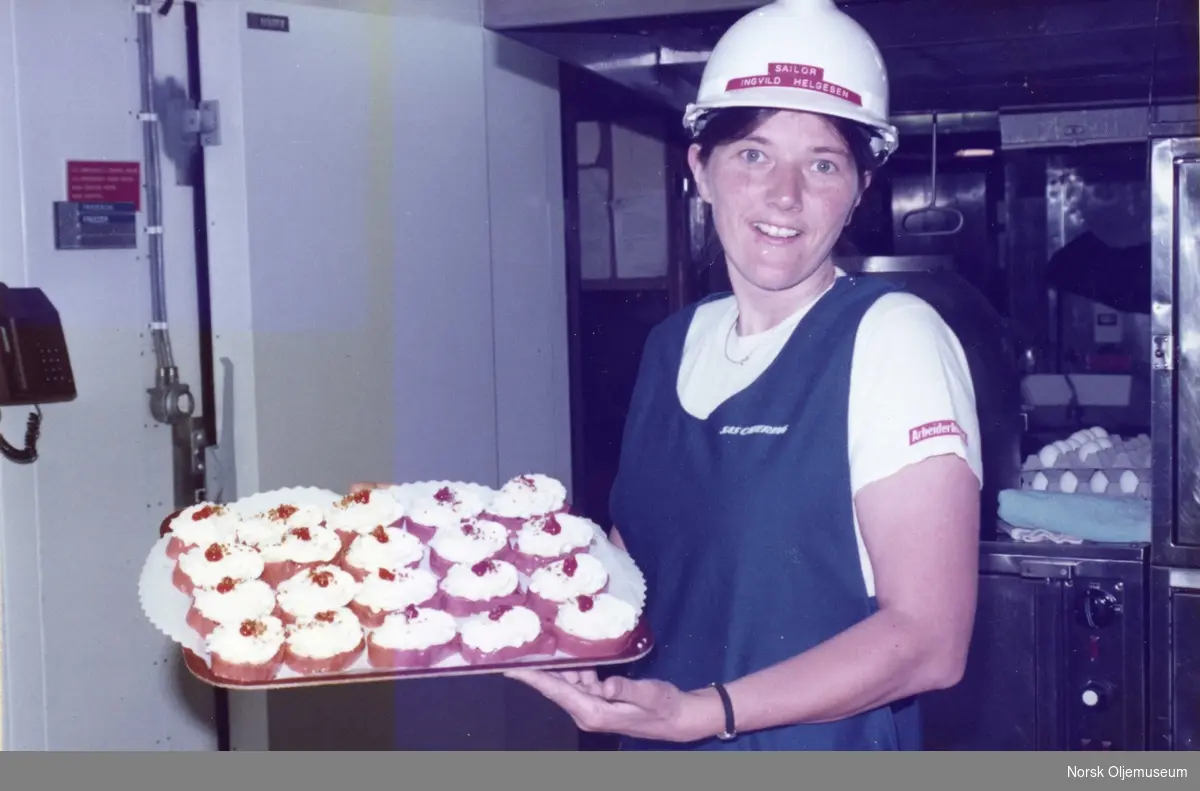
[{"x": 730, "y": 124}]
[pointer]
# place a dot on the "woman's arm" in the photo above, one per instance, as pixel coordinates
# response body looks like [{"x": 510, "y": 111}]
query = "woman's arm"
[{"x": 921, "y": 528}]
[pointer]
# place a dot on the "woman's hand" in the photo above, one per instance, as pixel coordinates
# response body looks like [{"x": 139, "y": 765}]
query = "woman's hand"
[{"x": 642, "y": 709}]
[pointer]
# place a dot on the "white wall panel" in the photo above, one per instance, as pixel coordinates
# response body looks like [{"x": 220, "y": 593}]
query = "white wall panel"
[
  {"x": 82, "y": 667},
  {"x": 386, "y": 236}
]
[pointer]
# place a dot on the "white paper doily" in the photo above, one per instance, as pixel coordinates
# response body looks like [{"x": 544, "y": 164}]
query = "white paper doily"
[{"x": 167, "y": 607}]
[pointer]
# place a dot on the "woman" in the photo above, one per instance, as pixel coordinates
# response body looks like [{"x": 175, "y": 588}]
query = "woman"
[{"x": 800, "y": 473}]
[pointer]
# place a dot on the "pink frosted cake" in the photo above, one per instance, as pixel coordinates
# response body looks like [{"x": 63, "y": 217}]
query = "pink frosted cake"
[
  {"x": 270, "y": 526},
  {"x": 481, "y": 587},
  {"x": 298, "y": 549},
  {"x": 543, "y": 540},
  {"x": 249, "y": 652},
  {"x": 201, "y": 525},
  {"x": 315, "y": 590},
  {"x": 556, "y": 583},
  {"x": 446, "y": 507},
  {"x": 230, "y": 601},
  {"x": 360, "y": 513},
  {"x": 526, "y": 497},
  {"x": 383, "y": 547},
  {"x": 590, "y": 627},
  {"x": 416, "y": 637},
  {"x": 467, "y": 542},
  {"x": 504, "y": 634},
  {"x": 328, "y": 642},
  {"x": 205, "y": 567},
  {"x": 388, "y": 590}
]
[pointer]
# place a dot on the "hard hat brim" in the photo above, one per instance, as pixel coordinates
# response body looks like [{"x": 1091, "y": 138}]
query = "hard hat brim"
[{"x": 886, "y": 136}]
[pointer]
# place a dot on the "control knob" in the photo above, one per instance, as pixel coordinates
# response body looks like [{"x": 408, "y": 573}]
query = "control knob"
[
  {"x": 1098, "y": 608},
  {"x": 1096, "y": 695}
]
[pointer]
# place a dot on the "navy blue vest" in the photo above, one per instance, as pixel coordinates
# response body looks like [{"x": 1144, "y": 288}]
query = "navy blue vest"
[{"x": 743, "y": 523}]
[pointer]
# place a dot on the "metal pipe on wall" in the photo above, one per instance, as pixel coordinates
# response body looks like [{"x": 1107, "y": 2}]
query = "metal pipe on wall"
[{"x": 170, "y": 400}]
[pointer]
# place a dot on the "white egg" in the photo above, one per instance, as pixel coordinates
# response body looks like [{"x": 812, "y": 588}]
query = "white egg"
[
  {"x": 1062, "y": 446},
  {"x": 1082, "y": 437},
  {"x": 1129, "y": 482},
  {"x": 1068, "y": 483},
  {"x": 1073, "y": 443},
  {"x": 1098, "y": 432},
  {"x": 1040, "y": 482},
  {"x": 1104, "y": 442},
  {"x": 1099, "y": 483},
  {"x": 1048, "y": 455},
  {"x": 1088, "y": 450}
]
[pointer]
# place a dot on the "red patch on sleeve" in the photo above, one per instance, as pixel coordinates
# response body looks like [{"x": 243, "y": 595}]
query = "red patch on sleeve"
[{"x": 938, "y": 428}]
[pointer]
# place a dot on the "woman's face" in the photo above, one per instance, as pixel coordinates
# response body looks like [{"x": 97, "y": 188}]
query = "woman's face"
[{"x": 780, "y": 198}]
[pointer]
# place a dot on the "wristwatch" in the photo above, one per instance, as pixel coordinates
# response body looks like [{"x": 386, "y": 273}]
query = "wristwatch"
[{"x": 730, "y": 733}]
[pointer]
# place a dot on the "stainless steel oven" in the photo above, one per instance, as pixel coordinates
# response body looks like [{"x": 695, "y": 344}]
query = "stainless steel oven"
[
  {"x": 1174, "y": 659},
  {"x": 1058, "y": 657},
  {"x": 1175, "y": 317}
]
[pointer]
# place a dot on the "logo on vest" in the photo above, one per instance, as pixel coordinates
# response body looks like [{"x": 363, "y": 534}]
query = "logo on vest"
[
  {"x": 745, "y": 431},
  {"x": 939, "y": 428}
]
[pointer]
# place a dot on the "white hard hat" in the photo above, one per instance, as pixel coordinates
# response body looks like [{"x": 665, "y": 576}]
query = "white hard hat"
[{"x": 799, "y": 55}]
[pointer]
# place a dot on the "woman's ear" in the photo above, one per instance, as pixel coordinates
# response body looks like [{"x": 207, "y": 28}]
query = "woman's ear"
[
  {"x": 699, "y": 173},
  {"x": 866, "y": 182}
]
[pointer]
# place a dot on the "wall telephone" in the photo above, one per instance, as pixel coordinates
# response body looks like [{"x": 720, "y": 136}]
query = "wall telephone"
[{"x": 35, "y": 368}]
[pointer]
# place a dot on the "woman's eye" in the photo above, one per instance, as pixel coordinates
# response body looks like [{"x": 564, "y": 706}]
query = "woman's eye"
[
  {"x": 825, "y": 166},
  {"x": 753, "y": 155}
]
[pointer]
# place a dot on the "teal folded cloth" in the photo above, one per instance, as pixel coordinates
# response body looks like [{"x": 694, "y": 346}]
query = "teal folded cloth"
[{"x": 1090, "y": 517}]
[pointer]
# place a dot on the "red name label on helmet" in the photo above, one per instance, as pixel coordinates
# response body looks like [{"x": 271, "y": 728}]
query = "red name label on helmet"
[{"x": 794, "y": 75}]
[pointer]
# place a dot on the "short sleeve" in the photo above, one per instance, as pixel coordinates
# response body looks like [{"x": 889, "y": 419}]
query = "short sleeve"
[{"x": 911, "y": 393}]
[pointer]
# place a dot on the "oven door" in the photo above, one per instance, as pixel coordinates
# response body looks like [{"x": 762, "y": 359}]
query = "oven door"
[
  {"x": 1175, "y": 383},
  {"x": 1175, "y": 659},
  {"x": 1049, "y": 667}
]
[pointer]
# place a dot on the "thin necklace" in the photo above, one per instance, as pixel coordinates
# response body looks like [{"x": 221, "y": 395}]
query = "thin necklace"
[{"x": 729, "y": 337}]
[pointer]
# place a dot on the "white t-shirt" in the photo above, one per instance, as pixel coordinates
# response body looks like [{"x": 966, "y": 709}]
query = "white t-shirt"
[{"x": 911, "y": 394}]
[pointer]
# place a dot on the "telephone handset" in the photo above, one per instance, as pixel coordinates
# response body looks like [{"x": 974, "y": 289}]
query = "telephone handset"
[{"x": 35, "y": 367}]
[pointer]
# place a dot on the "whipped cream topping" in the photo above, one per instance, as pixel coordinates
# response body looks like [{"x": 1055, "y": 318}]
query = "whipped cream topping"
[
  {"x": 554, "y": 584},
  {"x": 207, "y": 565},
  {"x": 236, "y": 601},
  {"x": 469, "y": 542},
  {"x": 363, "y": 511},
  {"x": 258, "y": 531},
  {"x": 599, "y": 617},
  {"x": 508, "y": 628},
  {"x": 417, "y": 629},
  {"x": 325, "y": 635},
  {"x": 488, "y": 579},
  {"x": 304, "y": 545},
  {"x": 205, "y": 523},
  {"x": 316, "y": 590},
  {"x": 551, "y": 536},
  {"x": 399, "y": 548},
  {"x": 295, "y": 515},
  {"x": 446, "y": 507},
  {"x": 528, "y": 495},
  {"x": 249, "y": 642},
  {"x": 393, "y": 588}
]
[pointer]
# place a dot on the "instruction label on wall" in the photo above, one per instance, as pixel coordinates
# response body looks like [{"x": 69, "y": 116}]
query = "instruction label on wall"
[{"x": 104, "y": 182}]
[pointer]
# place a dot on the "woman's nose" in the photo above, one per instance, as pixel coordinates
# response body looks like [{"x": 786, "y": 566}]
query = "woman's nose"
[{"x": 786, "y": 188}]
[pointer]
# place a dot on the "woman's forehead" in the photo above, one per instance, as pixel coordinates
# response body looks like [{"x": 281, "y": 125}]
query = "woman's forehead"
[{"x": 799, "y": 131}]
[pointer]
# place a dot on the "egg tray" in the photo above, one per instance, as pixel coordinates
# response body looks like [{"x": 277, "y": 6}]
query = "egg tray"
[{"x": 1084, "y": 476}]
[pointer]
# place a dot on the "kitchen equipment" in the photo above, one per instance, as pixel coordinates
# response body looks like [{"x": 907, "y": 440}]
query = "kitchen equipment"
[
  {"x": 1057, "y": 659},
  {"x": 931, "y": 219}
]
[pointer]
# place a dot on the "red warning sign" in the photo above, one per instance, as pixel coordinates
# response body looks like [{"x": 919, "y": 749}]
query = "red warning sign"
[
  {"x": 794, "y": 75},
  {"x": 104, "y": 182}
]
